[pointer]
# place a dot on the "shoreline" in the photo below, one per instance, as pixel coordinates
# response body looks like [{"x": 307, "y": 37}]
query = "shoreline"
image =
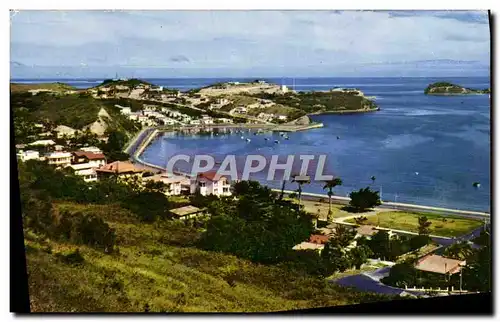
[
  {"x": 347, "y": 111},
  {"x": 268, "y": 127},
  {"x": 155, "y": 132}
]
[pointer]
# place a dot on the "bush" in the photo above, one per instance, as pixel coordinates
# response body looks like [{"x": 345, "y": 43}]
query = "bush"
[{"x": 72, "y": 258}]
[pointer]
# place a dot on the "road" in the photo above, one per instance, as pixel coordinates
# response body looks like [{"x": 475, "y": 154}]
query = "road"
[
  {"x": 370, "y": 282},
  {"x": 400, "y": 206}
]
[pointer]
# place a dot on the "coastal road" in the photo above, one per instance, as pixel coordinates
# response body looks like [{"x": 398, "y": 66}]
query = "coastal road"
[{"x": 400, "y": 206}]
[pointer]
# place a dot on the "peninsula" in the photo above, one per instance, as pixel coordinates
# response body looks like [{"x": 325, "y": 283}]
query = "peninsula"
[{"x": 445, "y": 88}]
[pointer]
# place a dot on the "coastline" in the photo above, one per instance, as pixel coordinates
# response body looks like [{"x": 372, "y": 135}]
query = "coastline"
[
  {"x": 155, "y": 132},
  {"x": 347, "y": 111}
]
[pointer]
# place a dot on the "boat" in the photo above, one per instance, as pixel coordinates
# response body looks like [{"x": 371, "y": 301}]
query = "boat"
[
  {"x": 276, "y": 141},
  {"x": 267, "y": 139},
  {"x": 248, "y": 140},
  {"x": 242, "y": 137},
  {"x": 287, "y": 138}
]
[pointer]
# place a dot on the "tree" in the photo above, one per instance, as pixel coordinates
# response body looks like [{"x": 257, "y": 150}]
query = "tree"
[
  {"x": 380, "y": 244},
  {"x": 460, "y": 251},
  {"x": 343, "y": 235},
  {"x": 330, "y": 184},
  {"x": 300, "y": 180},
  {"x": 359, "y": 255},
  {"x": 360, "y": 220},
  {"x": 423, "y": 226},
  {"x": 364, "y": 199},
  {"x": 373, "y": 179},
  {"x": 335, "y": 258},
  {"x": 156, "y": 186}
]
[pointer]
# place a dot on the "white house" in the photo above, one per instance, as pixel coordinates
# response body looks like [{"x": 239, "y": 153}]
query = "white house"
[
  {"x": 265, "y": 116},
  {"x": 284, "y": 89},
  {"x": 92, "y": 149},
  {"x": 86, "y": 170},
  {"x": 282, "y": 117},
  {"x": 43, "y": 143},
  {"x": 173, "y": 182},
  {"x": 225, "y": 120},
  {"x": 240, "y": 109},
  {"x": 28, "y": 155},
  {"x": 207, "y": 120},
  {"x": 209, "y": 183},
  {"x": 195, "y": 122},
  {"x": 63, "y": 130},
  {"x": 96, "y": 160},
  {"x": 124, "y": 109},
  {"x": 59, "y": 159}
]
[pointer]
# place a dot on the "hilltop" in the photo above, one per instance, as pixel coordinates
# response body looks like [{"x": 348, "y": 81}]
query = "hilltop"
[
  {"x": 445, "y": 88},
  {"x": 45, "y": 87}
]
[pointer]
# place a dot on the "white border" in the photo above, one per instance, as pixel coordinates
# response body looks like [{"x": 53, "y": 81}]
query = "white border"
[{"x": 193, "y": 5}]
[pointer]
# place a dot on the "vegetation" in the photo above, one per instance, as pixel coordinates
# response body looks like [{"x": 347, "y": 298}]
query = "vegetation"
[
  {"x": 90, "y": 248},
  {"x": 54, "y": 87},
  {"x": 311, "y": 102},
  {"x": 447, "y": 226},
  {"x": 449, "y": 88},
  {"x": 364, "y": 199},
  {"x": 330, "y": 185},
  {"x": 129, "y": 82}
]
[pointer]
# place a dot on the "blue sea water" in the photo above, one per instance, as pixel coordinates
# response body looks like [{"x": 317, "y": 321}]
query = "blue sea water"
[{"x": 422, "y": 149}]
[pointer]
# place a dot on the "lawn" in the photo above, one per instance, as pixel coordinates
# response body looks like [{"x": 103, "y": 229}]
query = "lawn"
[
  {"x": 447, "y": 226},
  {"x": 315, "y": 206}
]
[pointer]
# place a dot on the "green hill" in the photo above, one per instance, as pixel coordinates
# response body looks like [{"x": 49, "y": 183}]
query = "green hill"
[
  {"x": 445, "y": 88},
  {"x": 157, "y": 265},
  {"x": 56, "y": 87}
]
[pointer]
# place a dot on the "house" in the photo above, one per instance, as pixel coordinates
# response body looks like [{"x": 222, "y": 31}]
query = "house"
[
  {"x": 95, "y": 159},
  {"x": 175, "y": 183},
  {"x": 222, "y": 101},
  {"x": 284, "y": 89},
  {"x": 366, "y": 231},
  {"x": 207, "y": 120},
  {"x": 86, "y": 170},
  {"x": 195, "y": 122},
  {"x": 209, "y": 183},
  {"x": 318, "y": 239},
  {"x": 122, "y": 169},
  {"x": 309, "y": 246},
  {"x": 282, "y": 117},
  {"x": 265, "y": 116},
  {"x": 187, "y": 212},
  {"x": 240, "y": 109},
  {"x": 59, "y": 159},
  {"x": 45, "y": 143},
  {"x": 92, "y": 149},
  {"x": 439, "y": 264},
  {"x": 65, "y": 131},
  {"x": 224, "y": 120},
  {"x": 20, "y": 146},
  {"x": 124, "y": 110},
  {"x": 28, "y": 155}
]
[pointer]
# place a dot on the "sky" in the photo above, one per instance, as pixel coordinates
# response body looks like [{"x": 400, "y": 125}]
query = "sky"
[{"x": 69, "y": 44}]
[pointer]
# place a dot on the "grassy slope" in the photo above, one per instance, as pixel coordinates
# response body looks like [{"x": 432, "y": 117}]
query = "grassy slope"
[
  {"x": 15, "y": 87},
  {"x": 155, "y": 266},
  {"x": 452, "y": 226}
]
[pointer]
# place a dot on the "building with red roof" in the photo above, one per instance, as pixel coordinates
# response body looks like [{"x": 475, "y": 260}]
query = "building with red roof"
[{"x": 210, "y": 183}]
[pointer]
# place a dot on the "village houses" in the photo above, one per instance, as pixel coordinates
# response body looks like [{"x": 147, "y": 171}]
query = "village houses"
[{"x": 209, "y": 183}]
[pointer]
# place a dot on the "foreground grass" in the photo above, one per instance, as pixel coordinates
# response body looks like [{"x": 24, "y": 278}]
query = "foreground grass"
[
  {"x": 447, "y": 226},
  {"x": 157, "y": 265}
]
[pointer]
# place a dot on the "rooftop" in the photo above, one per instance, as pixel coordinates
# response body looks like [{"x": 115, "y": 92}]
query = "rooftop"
[
  {"x": 318, "y": 239},
  {"x": 185, "y": 211},
  {"x": 211, "y": 175},
  {"x": 308, "y": 245},
  {"x": 119, "y": 167},
  {"x": 89, "y": 155},
  {"x": 43, "y": 142},
  {"x": 366, "y": 230},
  {"x": 439, "y": 264}
]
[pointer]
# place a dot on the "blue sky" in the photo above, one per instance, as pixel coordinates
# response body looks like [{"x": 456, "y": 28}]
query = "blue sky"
[{"x": 249, "y": 43}]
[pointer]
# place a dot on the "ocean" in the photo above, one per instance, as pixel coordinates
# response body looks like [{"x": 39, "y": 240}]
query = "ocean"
[{"x": 426, "y": 150}]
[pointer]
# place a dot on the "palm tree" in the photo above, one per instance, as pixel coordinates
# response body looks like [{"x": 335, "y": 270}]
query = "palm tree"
[
  {"x": 330, "y": 184},
  {"x": 373, "y": 179},
  {"x": 300, "y": 180}
]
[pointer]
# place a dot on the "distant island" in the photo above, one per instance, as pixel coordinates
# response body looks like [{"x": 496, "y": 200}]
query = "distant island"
[{"x": 445, "y": 88}]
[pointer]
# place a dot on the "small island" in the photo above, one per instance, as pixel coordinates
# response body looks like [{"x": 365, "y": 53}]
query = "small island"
[{"x": 445, "y": 88}]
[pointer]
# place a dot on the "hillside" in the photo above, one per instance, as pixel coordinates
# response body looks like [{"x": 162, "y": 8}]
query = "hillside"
[
  {"x": 77, "y": 111},
  {"x": 157, "y": 265},
  {"x": 445, "y": 88},
  {"x": 55, "y": 87}
]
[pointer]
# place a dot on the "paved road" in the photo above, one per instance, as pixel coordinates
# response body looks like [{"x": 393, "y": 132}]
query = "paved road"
[
  {"x": 370, "y": 282},
  {"x": 400, "y": 206}
]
